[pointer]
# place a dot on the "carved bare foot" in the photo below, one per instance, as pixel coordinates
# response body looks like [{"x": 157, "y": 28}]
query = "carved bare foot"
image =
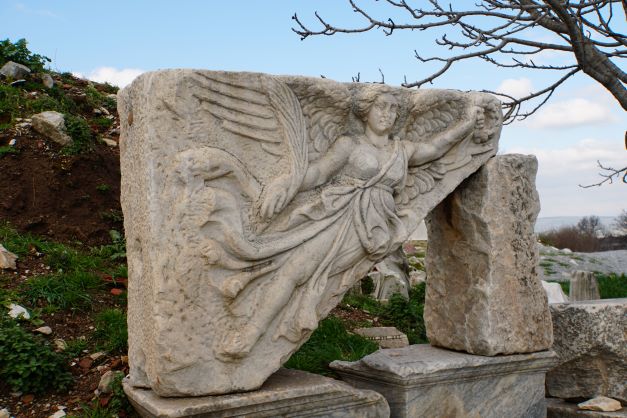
[{"x": 237, "y": 344}]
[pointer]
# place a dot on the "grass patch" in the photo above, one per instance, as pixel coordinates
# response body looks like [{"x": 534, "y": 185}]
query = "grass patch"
[
  {"x": 11, "y": 100},
  {"x": 331, "y": 341},
  {"x": 7, "y": 149},
  {"x": 27, "y": 363},
  {"x": 111, "y": 332},
  {"x": 407, "y": 315},
  {"x": 62, "y": 291},
  {"x": 79, "y": 130},
  {"x": 612, "y": 286}
]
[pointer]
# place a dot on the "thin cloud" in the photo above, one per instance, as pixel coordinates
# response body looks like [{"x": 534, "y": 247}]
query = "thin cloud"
[
  {"x": 571, "y": 113},
  {"x": 516, "y": 87},
  {"x": 21, "y": 7},
  {"x": 111, "y": 75},
  {"x": 562, "y": 170}
]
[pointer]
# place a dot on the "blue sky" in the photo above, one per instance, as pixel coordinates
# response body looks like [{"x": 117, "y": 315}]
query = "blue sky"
[{"x": 116, "y": 40}]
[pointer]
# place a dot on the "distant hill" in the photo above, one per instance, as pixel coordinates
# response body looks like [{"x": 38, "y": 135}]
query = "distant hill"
[{"x": 554, "y": 222}]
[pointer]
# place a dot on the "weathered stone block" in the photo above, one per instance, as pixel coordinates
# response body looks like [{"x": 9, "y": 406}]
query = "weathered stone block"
[
  {"x": 252, "y": 203},
  {"x": 483, "y": 294},
  {"x": 583, "y": 286},
  {"x": 287, "y": 393},
  {"x": 425, "y": 381},
  {"x": 591, "y": 345}
]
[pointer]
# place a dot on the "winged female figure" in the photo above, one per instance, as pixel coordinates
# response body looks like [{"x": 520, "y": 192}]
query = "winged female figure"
[{"x": 329, "y": 214}]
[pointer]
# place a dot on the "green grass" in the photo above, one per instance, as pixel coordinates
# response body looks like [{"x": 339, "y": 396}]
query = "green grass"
[
  {"x": 7, "y": 149},
  {"x": 11, "y": 101},
  {"x": 612, "y": 286},
  {"x": 331, "y": 341},
  {"x": 405, "y": 315},
  {"x": 111, "y": 332},
  {"x": 27, "y": 363},
  {"x": 62, "y": 291}
]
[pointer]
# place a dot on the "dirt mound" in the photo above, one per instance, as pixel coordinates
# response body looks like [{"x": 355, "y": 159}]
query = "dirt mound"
[{"x": 67, "y": 196}]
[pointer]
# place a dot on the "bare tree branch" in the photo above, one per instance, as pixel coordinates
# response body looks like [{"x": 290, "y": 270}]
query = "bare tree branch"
[
  {"x": 498, "y": 32},
  {"x": 608, "y": 174}
]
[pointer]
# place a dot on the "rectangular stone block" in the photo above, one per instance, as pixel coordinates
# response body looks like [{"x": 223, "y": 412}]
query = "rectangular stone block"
[
  {"x": 425, "y": 381},
  {"x": 591, "y": 345},
  {"x": 483, "y": 293},
  {"x": 287, "y": 393}
]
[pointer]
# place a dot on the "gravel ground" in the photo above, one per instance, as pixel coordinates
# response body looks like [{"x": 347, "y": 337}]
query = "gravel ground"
[{"x": 557, "y": 265}]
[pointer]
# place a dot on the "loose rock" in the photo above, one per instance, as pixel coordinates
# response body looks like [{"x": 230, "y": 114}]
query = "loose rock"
[
  {"x": 106, "y": 381},
  {"x": 17, "y": 311},
  {"x": 14, "y": 70},
  {"x": 4, "y": 413},
  {"x": 47, "y": 81},
  {"x": 60, "y": 345},
  {"x": 7, "y": 259},
  {"x": 59, "y": 414},
  {"x": 44, "y": 330},
  {"x": 110, "y": 142},
  {"x": 554, "y": 292},
  {"x": 51, "y": 124},
  {"x": 601, "y": 403}
]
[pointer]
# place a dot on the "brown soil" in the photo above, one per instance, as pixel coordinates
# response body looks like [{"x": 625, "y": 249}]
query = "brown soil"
[
  {"x": 73, "y": 199},
  {"x": 66, "y": 198}
]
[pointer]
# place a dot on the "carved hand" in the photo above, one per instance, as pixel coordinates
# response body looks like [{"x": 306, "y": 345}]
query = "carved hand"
[{"x": 275, "y": 197}]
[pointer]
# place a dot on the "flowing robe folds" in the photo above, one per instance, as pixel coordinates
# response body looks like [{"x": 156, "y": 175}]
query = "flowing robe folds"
[{"x": 220, "y": 297}]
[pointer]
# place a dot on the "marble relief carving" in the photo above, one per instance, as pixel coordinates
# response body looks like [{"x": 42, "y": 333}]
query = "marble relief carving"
[{"x": 254, "y": 202}]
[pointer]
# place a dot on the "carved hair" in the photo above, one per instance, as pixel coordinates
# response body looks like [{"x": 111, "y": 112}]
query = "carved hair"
[{"x": 366, "y": 97}]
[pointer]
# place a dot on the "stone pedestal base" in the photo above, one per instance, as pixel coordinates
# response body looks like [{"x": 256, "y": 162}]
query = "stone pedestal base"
[
  {"x": 557, "y": 408},
  {"x": 424, "y": 381},
  {"x": 287, "y": 393}
]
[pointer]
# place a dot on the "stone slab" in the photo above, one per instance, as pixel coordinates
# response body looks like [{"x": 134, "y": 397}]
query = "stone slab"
[
  {"x": 287, "y": 393},
  {"x": 558, "y": 408},
  {"x": 385, "y": 337},
  {"x": 425, "y": 381}
]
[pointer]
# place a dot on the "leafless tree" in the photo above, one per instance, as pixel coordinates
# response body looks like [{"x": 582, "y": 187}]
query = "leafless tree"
[{"x": 500, "y": 32}]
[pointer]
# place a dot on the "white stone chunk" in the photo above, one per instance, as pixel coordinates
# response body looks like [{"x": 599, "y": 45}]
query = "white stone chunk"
[
  {"x": 7, "y": 259},
  {"x": 14, "y": 70},
  {"x": 51, "y": 124},
  {"x": 17, "y": 311},
  {"x": 44, "y": 330},
  {"x": 600, "y": 403},
  {"x": 554, "y": 292}
]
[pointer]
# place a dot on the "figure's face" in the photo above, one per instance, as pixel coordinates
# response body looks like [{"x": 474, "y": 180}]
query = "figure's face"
[{"x": 382, "y": 114}]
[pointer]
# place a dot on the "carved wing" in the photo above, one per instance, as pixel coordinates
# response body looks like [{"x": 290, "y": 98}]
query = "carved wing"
[
  {"x": 326, "y": 106},
  {"x": 429, "y": 115},
  {"x": 433, "y": 112},
  {"x": 263, "y": 114}
]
